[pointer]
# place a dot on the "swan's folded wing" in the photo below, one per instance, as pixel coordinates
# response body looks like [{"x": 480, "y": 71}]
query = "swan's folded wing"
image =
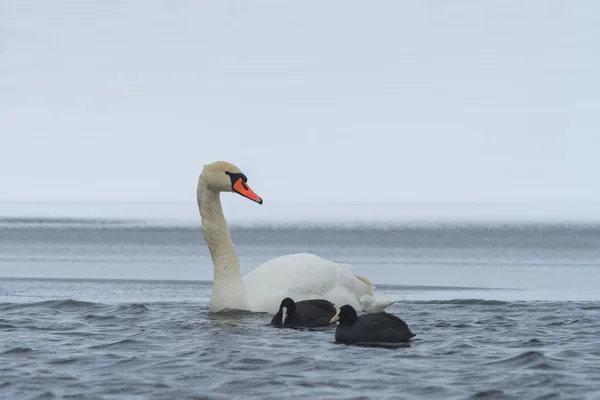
[{"x": 303, "y": 276}]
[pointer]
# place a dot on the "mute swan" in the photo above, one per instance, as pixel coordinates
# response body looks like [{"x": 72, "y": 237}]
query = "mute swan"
[{"x": 299, "y": 276}]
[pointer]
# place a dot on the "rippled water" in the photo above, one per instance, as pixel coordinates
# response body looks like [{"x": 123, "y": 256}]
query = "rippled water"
[
  {"x": 176, "y": 349},
  {"x": 516, "y": 327}
]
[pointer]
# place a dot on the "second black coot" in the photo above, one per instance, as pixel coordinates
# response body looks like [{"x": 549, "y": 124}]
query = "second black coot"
[{"x": 379, "y": 328}]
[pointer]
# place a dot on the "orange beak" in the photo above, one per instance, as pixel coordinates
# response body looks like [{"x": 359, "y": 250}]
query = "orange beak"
[{"x": 242, "y": 188}]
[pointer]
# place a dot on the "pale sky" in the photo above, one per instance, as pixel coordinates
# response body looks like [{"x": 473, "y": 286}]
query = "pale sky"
[{"x": 315, "y": 101}]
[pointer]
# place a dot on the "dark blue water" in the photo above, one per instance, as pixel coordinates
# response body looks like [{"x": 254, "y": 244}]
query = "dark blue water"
[{"x": 499, "y": 313}]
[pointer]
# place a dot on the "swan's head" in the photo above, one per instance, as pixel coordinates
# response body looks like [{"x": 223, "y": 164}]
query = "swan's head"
[
  {"x": 346, "y": 314},
  {"x": 287, "y": 308},
  {"x": 222, "y": 176}
]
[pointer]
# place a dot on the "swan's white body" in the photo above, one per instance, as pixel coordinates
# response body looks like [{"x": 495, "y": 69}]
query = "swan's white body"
[
  {"x": 299, "y": 276},
  {"x": 307, "y": 276}
]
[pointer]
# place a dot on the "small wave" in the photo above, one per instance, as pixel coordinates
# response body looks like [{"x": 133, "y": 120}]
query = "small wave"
[
  {"x": 64, "y": 361},
  {"x": 461, "y": 348},
  {"x": 244, "y": 364},
  {"x": 543, "y": 366},
  {"x": 134, "y": 307},
  {"x": 530, "y": 358},
  {"x": 549, "y": 396},
  {"x": 124, "y": 365},
  {"x": 19, "y": 350},
  {"x": 4, "y": 324},
  {"x": 254, "y": 361},
  {"x": 494, "y": 319},
  {"x": 298, "y": 363},
  {"x": 94, "y": 317},
  {"x": 118, "y": 344},
  {"x": 466, "y": 302},
  {"x": 559, "y": 323},
  {"x": 446, "y": 324},
  {"x": 533, "y": 343},
  {"x": 489, "y": 394},
  {"x": 572, "y": 354},
  {"x": 45, "y": 395},
  {"x": 62, "y": 305}
]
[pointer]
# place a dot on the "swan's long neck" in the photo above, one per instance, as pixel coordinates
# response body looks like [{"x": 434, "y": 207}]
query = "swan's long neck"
[{"x": 228, "y": 285}]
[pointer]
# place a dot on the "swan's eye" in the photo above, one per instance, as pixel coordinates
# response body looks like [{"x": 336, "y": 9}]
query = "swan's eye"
[{"x": 236, "y": 176}]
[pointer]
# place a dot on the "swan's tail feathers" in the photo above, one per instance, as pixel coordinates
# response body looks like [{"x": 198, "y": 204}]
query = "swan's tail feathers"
[
  {"x": 370, "y": 304},
  {"x": 365, "y": 281}
]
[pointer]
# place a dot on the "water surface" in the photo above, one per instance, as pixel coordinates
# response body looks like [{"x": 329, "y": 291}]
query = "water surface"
[{"x": 499, "y": 313}]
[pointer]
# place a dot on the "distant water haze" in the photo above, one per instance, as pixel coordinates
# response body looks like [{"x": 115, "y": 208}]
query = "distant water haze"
[
  {"x": 240, "y": 211},
  {"x": 532, "y": 261}
]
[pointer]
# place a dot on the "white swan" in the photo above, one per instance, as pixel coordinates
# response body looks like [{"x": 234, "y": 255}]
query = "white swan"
[{"x": 299, "y": 276}]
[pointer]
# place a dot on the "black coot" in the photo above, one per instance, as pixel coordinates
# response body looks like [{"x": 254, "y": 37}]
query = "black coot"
[
  {"x": 370, "y": 329},
  {"x": 304, "y": 314}
]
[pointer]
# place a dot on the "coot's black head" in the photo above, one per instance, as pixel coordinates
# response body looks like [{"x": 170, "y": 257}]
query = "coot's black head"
[
  {"x": 346, "y": 314},
  {"x": 288, "y": 309}
]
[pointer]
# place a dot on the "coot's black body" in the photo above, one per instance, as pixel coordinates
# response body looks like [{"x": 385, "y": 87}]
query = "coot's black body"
[
  {"x": 374, "y": 328},
  {"x": 304, "y": 314}
]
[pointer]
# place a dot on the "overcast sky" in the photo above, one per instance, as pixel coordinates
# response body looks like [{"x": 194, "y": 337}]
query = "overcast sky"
[{"x": 322, "y": 101}]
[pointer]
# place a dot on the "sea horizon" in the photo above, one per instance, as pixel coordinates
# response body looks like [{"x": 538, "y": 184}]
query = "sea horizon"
[{"x": 239, "y": 212}]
